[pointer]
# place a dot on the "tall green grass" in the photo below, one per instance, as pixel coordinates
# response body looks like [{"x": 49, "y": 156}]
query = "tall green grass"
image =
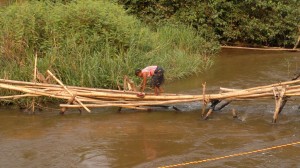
[{"x": 94, "y": 43}]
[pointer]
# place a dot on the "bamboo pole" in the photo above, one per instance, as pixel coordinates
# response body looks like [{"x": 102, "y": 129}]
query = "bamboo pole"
[
  {"x": 265, "y": 86},
  {"x": 278, "y": 102},
  {"x": 263, "y": 49},
  {"x": 204, "y": 103},
  {"x": 276, "y": 84},
  {"x": 247, "y": 92},
  {"x": 56, "y": 95},
  {"x": 106, "y": 98},
  {"x": 234, "y": 114},
  {"x": 35, "y": 68},
  {"x": 78, "y": 92},
  {"x": 58, "y": 86},
  {"x": 132, "y": 104},
  {"x": 224, "y": 105},
  {"x": 167, "y": 97},
  {"x": 147, "y": 97},
  {"x": 58, "y": 81},
  {"x": 133, "y": 93},
  {"x": 289, "y": 92},
  {"x": 34, "y": 80},
  {"x": 297, "y": 43},
  {"x": 70, "y": 101},
  {"x": 18, "y": 96},
  {"x": 239, "y": 94},
  {"x": 291, "y": 87},
  {"x": 76, "y": 88},
  {"x": 138, "y": 108},
  {"x": 261, "y": 93},
  {"x": 210, "y": 111}
]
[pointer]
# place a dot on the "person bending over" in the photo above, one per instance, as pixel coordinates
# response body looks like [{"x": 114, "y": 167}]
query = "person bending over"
[{"x": 157, "y": 78}]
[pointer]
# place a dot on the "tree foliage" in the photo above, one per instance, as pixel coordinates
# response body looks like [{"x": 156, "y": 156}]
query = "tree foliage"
[{"x": 255, "y": 22}]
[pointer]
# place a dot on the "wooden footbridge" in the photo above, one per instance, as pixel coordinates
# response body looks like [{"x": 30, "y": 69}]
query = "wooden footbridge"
[{"x": 83, "y": 97}]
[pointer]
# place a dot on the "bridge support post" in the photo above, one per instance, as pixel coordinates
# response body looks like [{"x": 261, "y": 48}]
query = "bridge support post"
[{"x": 279, "y": 98}]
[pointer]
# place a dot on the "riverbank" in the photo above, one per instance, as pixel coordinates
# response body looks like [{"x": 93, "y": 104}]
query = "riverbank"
[{"x": 85, "y": 45}]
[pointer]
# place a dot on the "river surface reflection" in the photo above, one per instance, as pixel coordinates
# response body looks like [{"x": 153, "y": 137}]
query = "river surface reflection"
[{"x": 164, "y": 137}]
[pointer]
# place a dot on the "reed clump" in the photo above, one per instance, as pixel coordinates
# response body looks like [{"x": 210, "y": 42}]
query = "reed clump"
[{"x": 94, "y": 43}]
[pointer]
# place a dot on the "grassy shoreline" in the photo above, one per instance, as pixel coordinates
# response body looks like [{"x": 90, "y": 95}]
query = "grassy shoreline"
[{"x": 95, "y": 43}]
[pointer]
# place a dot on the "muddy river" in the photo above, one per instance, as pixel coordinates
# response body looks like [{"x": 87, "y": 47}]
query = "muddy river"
[{"x": 106, "y": 138}]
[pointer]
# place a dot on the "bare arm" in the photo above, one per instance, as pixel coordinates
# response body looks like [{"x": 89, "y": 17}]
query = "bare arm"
[{"x": 144, "y": 82}]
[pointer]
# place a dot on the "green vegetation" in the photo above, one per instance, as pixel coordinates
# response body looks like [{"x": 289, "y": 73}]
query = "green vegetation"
[
  {"x": 249, "y": 22},
  {"x": 94, "y": 43}
]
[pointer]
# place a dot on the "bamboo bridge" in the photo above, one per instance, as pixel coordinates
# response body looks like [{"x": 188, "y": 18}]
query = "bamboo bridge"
[{"x": 86, "y": 98}]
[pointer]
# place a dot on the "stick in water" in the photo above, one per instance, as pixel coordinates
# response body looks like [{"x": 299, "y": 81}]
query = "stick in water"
[{"x": 58, "y": 81}]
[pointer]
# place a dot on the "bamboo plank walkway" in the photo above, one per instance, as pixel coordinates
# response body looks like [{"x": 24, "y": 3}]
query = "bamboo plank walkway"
[{"x": 83, "y": 97}]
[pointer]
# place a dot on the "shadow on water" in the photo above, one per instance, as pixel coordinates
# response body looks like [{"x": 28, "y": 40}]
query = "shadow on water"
[{"x": 106, "y": 138}]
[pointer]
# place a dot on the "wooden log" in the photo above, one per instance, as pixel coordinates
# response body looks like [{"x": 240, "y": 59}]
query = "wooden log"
[
  {"x": 291, "y": 87},
  {"x": 243, "y": 95},
  {"x": 34, "y": 80},
  {"x": 289, "y": 92},
  {"x": 35, "y": 68},
  {"x": 247, "y": 92},
  {"x": 297, "y": 43},
  {"x": 108, "y": 90},
  {"x": 84, "y": 93},
  {"x": 262, "y": 49},
  {"x": 239, "y": 96},
  {"x": 58, "y": 81},
  {"x": 166, "y": 107},
  {"x": 70, "y": 101},
  {"x": 210, "y": 111},
  {"x": 14, "y": 97},
  {"x": 235, "y": 95},
  {"x": 171, "y": 97},
  {"x": 30, "y": 84},
  {"x": 58, "y": 86},
  {"x": 147, "y": 97},
  {"x": 252, "y": 96},
  {"x": 166, "y": 97},
  {"x": 138, "y": 108},
  {"x": 34, "y": 92},
  {"x": 276, "y": 98},
  {"x": 125, "y": 86},
  {"x": 75, "y": 88},
  {"x": 276, "y": 84},
  {"x": 263, "y": 87},
  {"x": 132, "y": 104},
  {"x": 107, "y": 98},
  {"x": 284, "y": 101},
  {"x": 135, "y": 108},
  {"x": 278, "y": 102},
  {"x": 128, "y": 84},
  {"x": 204, "y": 103},
  {"x": 214, "y": 103},
  {"x": 234, "y": 114},
  {"x": 223, "y": 105}
]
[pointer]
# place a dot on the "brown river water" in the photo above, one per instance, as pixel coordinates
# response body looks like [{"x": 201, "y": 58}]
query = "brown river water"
[{"x": 106, "y": 138}]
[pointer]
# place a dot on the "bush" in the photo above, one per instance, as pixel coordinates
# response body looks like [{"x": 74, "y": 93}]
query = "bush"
[
  {"x": 93, "y": 43},
  {"x": 254, "y": 22}
]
